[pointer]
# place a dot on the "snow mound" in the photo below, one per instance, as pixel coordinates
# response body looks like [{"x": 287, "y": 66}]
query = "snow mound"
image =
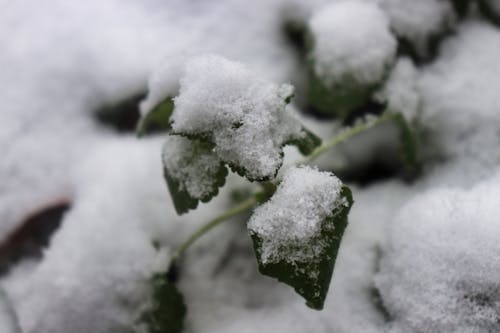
[{"x": 439, "y": 271}]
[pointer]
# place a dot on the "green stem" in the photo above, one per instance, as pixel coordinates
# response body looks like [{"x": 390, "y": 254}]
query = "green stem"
[
  {"x": 353, "y": 131},
  {"x": 244, "y": 206},
  {"x": 268, "y": 188}
]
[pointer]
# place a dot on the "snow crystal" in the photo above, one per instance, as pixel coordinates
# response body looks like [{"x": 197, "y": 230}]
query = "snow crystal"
[
  {"x": 290, "y": 221},
  {"x": 193, "y": 164},
  {"x": 400, "y": 91},
  {"x": 224, "y": 101},
  {"x": 352, "y": 40},
  {"x": 418, "y": 21},
  {"x": 439, "y": 271}
]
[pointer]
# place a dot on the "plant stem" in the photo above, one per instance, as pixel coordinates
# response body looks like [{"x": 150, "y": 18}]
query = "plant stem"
[
  {"x": 243, "y": 206},
  {"x": 252, "y": 201},
  {"x": 344, "y": 136}
]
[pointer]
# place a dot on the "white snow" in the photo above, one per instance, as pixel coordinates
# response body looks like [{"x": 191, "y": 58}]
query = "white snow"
[
  {"x": 192, "y": 164},
  {"x": 61, "y": 60},
  {"x": 400, "y": 91},
  {"x": 439, "y": 270},
  {"x": 224, "y": 101},
  {"x": 418, "y": 21},
  {"x": 163, "y": 83},
  {"x": 351, "y": 41},
  {"x": 290, "y": 223}
]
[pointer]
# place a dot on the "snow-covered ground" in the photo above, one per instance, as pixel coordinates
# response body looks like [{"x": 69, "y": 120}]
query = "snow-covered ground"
[{"x": 416, "y": 257}]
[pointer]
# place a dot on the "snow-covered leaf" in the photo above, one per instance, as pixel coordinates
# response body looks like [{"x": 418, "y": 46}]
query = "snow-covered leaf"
[
  {"x": 351, "y": 51},
  {"x": 225, "y": 103},
  {"x": 297, "y": 233},
  {"x": 420, "y": 26},
  {"x": 192, "y": 171},
  {"x": 167, "y": 312},
  {"x": 158, "y": 119}
]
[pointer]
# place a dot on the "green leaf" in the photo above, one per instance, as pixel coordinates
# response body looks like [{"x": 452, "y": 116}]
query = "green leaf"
[
  {"x": 311, "y": 279},
  {"x": 192, "y": 171},
  {"x": 167, "y": 311},
  {"x": 340, "y": 98},
  {"x": 306, "y": 144},
  {"x": 409, "y": 140},
  {"x": 157, "y": 119}
]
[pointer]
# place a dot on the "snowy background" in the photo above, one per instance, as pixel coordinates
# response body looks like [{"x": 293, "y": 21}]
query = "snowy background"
[{"x": 420, "y": 256}]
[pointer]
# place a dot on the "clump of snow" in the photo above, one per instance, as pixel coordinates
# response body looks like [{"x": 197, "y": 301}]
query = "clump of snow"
[
  {"x": 461, "y": 104},
  {"x": 351, "y": 40},
  {"x": 400, "y": 91},
  {"x": 191, "y": 163},
  {"x": 290, "y": 222},
  {"x": 419, "y": 21},
  {"x": 439, "y": 271},
  {"x": 163, "y": 83},
  {"x": 231, "y": 106}
]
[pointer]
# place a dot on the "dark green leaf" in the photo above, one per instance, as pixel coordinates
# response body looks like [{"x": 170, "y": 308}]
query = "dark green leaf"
[
  {"x": 313, "y": 287},
  {"x": 192, "y": 155},
  {"x": 338, "y": 99},
  {"x": 167, "y": 311},
  {"x": 157, "y": 119},
  {"x": 308, "y": 143}
]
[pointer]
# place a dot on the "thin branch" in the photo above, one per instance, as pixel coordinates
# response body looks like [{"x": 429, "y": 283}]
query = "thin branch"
[
  {"x": 242, "y": 207},
  {"x": 343, "y": 136}
]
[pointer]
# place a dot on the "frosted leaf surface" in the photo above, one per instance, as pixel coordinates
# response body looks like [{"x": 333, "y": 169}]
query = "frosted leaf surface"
[
  {"x": 352, "y": 40},
  {"x": 296, "y": 234},
  {"x": 224, "y": 102},
  {"x": 193, "y": 171},
  {"x": 439, "y": 271}
]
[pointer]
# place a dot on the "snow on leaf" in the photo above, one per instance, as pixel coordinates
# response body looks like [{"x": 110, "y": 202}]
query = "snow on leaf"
[
  {"x": 192, "y": 171},
  {"x": 158, "y": 119},
  {"x": 167, "y": 311},
  {"x": 351, "y": 51},
  {"x": 225, "y": 103},
  {"x": 297, "y": 233}
]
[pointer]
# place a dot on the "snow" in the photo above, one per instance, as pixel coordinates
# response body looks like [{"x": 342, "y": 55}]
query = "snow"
[
  {"x": 290, "y": 223},
  {"x": 439, "y": 270},
  {"x": 163, "y": 83},
  {"x": 192, "y": 164},
  {"x": 8, "y": 320},
  {"x": 61, "y": 60},
  {"x": 351, "y": 40},
  {"x": 400, "y": 91},
  {"x": 231, "y": 106},
  {"x": 419, "y": 21},
  {"x": 460, "y": 96}
]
